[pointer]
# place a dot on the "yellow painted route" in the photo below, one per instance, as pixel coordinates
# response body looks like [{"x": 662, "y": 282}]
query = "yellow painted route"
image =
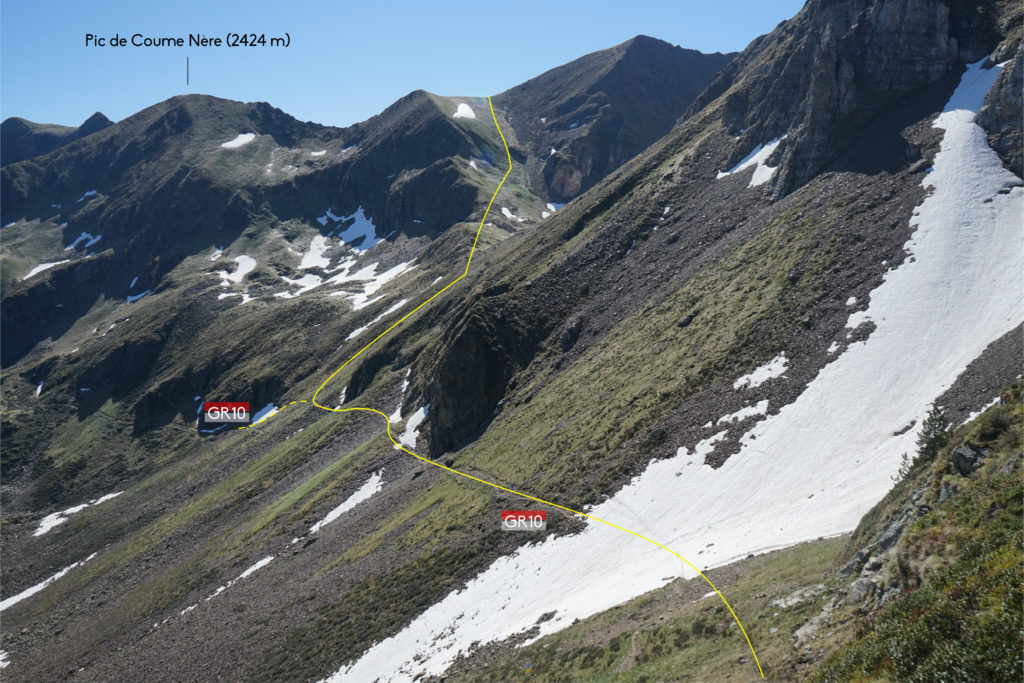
[{"x": 399, "y": 446}]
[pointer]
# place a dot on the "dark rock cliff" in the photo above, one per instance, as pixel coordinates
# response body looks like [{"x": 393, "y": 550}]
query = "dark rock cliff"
[
  {"x": 825, "y": 74},
  {"x": 1001, "y": 116}
]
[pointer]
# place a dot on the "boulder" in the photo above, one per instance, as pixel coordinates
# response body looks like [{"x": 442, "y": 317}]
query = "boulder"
[
  {"x": 966, "y": 459},
  {"x": 859, "y": 591}
]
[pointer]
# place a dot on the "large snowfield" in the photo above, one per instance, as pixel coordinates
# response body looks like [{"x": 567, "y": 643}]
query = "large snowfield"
[{"x": 814, "y": 468}]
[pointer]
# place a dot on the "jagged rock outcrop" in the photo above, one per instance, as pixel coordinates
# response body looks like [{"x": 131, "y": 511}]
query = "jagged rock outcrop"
[
  {"x": 847, "y": 63},
  {"x": 1001, "y": 115}
]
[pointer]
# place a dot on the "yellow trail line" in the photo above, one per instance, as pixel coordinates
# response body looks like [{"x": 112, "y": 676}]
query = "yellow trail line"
[{"x": 399, "y": 446}]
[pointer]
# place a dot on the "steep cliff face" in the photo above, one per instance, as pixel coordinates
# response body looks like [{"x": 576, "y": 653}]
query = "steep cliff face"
[
  {"x": 825, "y": 74},
  {"x": 1003, "y": 111}
]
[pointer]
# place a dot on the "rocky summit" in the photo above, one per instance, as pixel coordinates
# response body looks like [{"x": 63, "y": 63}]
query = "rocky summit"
[{"x": 760, "y": 308}]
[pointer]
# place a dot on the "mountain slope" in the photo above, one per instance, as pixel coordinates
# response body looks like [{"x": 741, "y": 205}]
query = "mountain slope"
[
  {"x": 204, "y": 249},
  {"x": 21, "y": 139},
  {"x": 586, "y": 118},
  {"x": 725, "y": 344}
]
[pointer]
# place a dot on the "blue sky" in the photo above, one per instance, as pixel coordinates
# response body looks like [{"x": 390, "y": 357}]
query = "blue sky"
[{"x": 347, "y": 60}]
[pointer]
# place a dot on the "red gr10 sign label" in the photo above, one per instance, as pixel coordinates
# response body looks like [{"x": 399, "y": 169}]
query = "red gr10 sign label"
[
  {"x": 226, "y": 412},
  {"x": 524, "y": 520}
]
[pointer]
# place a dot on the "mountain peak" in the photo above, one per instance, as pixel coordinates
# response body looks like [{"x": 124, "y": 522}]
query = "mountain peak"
[
  {"x": 23, "y": 139},
  {"x": 586, "y": 118}
]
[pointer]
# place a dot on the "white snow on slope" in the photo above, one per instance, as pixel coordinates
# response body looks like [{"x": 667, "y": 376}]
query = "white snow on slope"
[
  {"x": 248, "y": 572},
  {"x": 314, "y": 258},
  {"x": 464, "y": 111},
  {"x": 372, "y": 486},
  {"x": 135, "y": 297},
  {"x": 242, "y": 139},
  {"x": 743, "y": 413},
  {"x": 5, "y": 660},
  {"x": 981, "y": 410},
  {"x": 28, "y": 592},
  {"x": 412, "y": 426},
  {"x": 773, "y": 368},
  {"x": 363, "y": 227},
  {"x": 86, "y": 195},
  {"x": 396, "y": 417},
  {"x": 763, "y": 172},
  {"x": 318, "y": 153},
  {"x": 39, "y": 389},
  {"x": 84, "y": 237},
  {"x": 934, "y": 314},
  {"x": 359, "y": 330},
  {"x": 43, "y": 266},
  {"x": 245, "y": 266},
  {"x": 259, "y": 565},
  {"x": 506, "y": 213},
  {"x": 363, "y": 299},
  {"x": 263, "y": 413},
  {"x": 57, "y": 518},
  {"x": 699, "y": 452},
  {"x": 305, "y": 283}
]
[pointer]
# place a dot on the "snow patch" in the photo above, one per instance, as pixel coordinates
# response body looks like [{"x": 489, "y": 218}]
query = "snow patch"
[
  {"x": 396, "y": 417},
  {"x": 43, "y": 266},
  {"x": 28, "y": 592},
  {"x": 246, "y": 264},
  {"x": 318, "y": 153},
  {"x": 86, "y": 195},
  {"x": 362, "y": 228},
  {"x": 464, "y": 111},
  {"x": 263, "y": 413},
  {"x": 763, "y": 172},
  {"x": 57, "y": 518},
  {"x": 761, "y": 408},
  {"x": 776, "y": 367},
  {"x": 84, "y": 237},
  {"x": 371, "y": 486},
  {"x": 412, "y": 425},
  {"x": 248, "y": 572},
  {"x": 356, "y": 332},
  {"x": 981, "y": 410},
  {"x": 305, "y": 283},
  {"x": 241, "y": 139},
  {"x": 134, "y": 280},
  {"x": 136, "y": 297},
  {"x": 363, "y": 299}
]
